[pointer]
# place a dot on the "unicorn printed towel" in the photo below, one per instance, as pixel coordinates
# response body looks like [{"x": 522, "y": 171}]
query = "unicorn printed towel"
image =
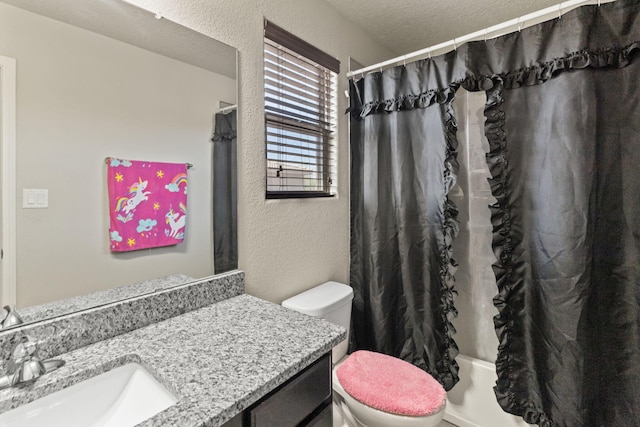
[{"x": 147, "y": 204}]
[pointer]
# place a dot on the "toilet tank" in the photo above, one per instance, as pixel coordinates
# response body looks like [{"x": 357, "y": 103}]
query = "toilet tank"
[{"x": 330, "y": 301}]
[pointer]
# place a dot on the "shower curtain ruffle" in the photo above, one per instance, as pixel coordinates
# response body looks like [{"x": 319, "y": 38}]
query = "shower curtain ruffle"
[
  {"x": 539, "y": 73},
  {"x": 409, "y": 102},
  {"x": 448, "y": 367},
  {"x": 508, "y": 283}
]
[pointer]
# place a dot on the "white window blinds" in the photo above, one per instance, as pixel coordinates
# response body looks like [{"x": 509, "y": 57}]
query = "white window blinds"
[{"x": 300, "y": 116}]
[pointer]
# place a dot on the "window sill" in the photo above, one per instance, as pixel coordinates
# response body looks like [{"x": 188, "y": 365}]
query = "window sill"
[{"x": 296, "y": 195}]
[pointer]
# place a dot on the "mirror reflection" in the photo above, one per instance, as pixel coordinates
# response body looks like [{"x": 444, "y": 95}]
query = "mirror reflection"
[{"x": 103, "y": 79}]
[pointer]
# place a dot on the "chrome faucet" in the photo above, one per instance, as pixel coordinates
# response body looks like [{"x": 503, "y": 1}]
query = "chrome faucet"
[
  {"x": 10, "y": 317},
  {"x": 24, "y": 365}
]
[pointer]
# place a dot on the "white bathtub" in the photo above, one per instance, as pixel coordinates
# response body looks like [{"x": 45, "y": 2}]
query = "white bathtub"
[{"x": 472, "y": 402}]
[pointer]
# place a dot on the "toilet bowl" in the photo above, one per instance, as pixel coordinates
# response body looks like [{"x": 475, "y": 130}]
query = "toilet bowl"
[{"x": 332, "y": 302}]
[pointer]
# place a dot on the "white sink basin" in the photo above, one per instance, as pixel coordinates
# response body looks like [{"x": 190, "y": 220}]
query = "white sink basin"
[{"x": 121, "y": 397}]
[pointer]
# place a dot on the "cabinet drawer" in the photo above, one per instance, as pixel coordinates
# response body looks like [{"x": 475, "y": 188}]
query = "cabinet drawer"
[
  {"x": 324, "y": 418},
  {"x": 296, "y": 399}
]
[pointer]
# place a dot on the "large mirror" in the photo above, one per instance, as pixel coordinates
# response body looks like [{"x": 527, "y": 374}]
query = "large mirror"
[{"x": 99, "y": 79}]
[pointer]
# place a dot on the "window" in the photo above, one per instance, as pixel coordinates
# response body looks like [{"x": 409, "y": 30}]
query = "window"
[{"x": 300, "y": 91}]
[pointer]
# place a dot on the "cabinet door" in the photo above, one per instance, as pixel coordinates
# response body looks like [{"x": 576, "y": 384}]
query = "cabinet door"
[{"x": 290, "y": 404}]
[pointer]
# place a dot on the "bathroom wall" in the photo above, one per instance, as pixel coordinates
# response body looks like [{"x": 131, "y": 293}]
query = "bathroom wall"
[
  {"x": 82, "y": 97},
  {"x": 475, "y": 281},
  {"x": 285, "y": 246}
]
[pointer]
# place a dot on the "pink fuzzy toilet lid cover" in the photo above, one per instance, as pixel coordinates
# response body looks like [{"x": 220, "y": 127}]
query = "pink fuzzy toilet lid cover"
[{"x": 390, "y": 384}]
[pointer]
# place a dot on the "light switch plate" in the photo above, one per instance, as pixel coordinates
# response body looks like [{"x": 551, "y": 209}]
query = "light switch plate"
[{"x": 35, "y": 198}]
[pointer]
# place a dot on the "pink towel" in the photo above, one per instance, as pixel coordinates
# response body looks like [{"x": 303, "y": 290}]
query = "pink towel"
[
  {"x": 147, "y": 204},
  {"x": 390, "y": 384}
]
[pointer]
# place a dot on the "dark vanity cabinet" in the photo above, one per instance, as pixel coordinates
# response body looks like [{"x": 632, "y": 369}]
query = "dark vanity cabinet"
[{"x": 304, "y": 400}]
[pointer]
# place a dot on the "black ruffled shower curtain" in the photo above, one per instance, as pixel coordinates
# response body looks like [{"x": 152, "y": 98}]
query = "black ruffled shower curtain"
[
  {"x": 403, "y": 165},
  {"x": 563, "y": 123}
]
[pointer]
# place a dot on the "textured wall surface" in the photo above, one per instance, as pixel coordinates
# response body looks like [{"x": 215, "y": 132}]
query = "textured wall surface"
[
  {"x": 475, "y": 281},
  {"x": 285, "y": 246}
]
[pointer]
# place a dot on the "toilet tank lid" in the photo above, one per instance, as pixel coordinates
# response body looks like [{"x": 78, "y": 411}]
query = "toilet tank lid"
[{"x": 320, "y": 300}]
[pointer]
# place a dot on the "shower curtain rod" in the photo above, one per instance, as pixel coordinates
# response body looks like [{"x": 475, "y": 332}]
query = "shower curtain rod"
[
  {"x": 489, "y": 32},
  {"x": 228, "y": 108}
]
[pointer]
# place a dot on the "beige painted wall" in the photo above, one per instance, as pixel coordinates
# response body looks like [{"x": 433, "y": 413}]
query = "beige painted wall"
[
  {"x": 83, "y": 97},
  {"x": 286, "y": 246}
]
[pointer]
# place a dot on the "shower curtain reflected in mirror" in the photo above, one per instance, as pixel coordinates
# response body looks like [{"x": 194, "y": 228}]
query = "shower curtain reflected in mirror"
[{"x": 225, "y": 217}]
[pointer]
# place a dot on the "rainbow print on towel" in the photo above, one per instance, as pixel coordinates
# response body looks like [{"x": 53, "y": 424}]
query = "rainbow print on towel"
[{"x": 147, "y": 204}]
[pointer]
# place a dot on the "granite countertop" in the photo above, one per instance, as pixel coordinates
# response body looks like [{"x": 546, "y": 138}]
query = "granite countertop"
[
  {"x": 217, "y": 360},
  {"x": 94, "y": 299}
]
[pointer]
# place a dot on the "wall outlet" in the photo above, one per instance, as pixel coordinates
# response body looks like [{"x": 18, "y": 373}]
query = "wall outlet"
[{"x": 35, "y": 198}]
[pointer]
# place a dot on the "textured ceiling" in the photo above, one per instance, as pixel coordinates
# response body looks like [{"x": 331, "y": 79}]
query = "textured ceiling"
[{"x": 405, "y": 26}]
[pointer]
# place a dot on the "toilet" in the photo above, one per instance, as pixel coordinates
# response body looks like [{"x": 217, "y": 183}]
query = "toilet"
[{"x": 383, "y": 391}]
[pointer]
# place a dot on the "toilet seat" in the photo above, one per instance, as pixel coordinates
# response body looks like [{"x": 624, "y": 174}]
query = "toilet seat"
[
  {"x": 356, "y": 414},
  {"x": 390, "y": 384},
  {"x": 365, "y": 367}
]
